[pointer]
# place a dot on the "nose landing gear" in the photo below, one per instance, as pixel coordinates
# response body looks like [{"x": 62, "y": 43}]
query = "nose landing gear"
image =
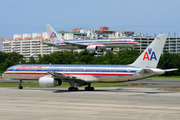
[{"x": 20, "y": 87}]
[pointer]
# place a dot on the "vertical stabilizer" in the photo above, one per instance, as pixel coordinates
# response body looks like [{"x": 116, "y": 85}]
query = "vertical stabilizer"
[
  {"x": 151, "y": 55},
  {"x": 53, "y": 36}
]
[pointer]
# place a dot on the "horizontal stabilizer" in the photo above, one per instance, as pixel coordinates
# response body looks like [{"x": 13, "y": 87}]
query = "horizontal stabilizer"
[
  {"x": 145, "y": 72},
  {"x": 150, "y": 72},
  {"x": 167, "y": 70}
]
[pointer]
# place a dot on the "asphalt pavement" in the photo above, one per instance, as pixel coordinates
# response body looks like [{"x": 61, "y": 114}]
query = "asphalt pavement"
[{"x": 145, "y": 102}]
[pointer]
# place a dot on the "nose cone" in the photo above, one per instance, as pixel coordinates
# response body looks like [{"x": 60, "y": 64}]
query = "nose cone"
[
  {"x": 3, "y": 75},
  {"x": 137, "y": 43}
]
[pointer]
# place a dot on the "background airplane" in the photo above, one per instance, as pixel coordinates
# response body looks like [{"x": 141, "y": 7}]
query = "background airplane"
[
  {"x": 90, "y": 45},
  {"x": 77, "y": 75}
]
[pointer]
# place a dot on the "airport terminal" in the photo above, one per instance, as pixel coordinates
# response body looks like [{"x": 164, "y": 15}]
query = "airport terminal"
[{"x": 31, "y": 45}]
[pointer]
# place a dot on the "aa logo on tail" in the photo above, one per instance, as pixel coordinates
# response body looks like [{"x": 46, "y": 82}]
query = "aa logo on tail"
[
  {"x": 149, "y": 55},
  {"x": 53, "y": 35}
]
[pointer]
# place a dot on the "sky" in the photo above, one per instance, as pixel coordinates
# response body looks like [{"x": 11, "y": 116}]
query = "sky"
[{"x": 147, "y": 17}]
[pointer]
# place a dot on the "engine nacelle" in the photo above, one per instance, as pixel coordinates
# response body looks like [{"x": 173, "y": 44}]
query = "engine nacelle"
[
  {"x": 109, "y": 49},
  {"x": 91, "y": 48},
  {"x": 48, "y": 81}
]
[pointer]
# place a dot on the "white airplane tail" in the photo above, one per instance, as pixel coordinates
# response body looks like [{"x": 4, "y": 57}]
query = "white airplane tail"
[
  {"x": 53, "y": 36},
  {"x": 151, "y": 55}
]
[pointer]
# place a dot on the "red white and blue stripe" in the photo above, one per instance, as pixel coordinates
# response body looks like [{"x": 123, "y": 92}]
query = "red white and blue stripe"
[{"x": 94, "y": 70}]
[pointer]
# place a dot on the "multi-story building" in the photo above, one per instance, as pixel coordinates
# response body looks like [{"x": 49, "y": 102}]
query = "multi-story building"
[
  {"x": 172, "y": 44},
  {"x": 103, "y": 32},
  {"x": 28, "y": 46}
]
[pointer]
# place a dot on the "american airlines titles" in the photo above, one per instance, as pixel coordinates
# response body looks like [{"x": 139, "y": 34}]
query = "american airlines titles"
[{"x": 30, "y": 67}]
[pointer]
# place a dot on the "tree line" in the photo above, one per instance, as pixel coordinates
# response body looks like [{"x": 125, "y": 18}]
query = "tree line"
[{"x": 123, "y": 57}]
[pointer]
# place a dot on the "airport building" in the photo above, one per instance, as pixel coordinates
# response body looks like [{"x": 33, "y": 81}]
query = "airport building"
[{"x": 32, "y": 45}]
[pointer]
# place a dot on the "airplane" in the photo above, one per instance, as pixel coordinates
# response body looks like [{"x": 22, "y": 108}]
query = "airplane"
[
  {"x": 78, "y": 75},
  {"x": 89, "y": 45}
]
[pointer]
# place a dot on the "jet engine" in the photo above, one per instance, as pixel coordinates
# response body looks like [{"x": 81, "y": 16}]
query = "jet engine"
[
  {"x": 91, "y": 48},
  {"x": 48, "y": 81}
]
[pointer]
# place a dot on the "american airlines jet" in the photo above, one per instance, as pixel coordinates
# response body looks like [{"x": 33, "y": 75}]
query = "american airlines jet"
[
  {"x": 89, "y": 45},
  {"x": 77, "y": 75}
]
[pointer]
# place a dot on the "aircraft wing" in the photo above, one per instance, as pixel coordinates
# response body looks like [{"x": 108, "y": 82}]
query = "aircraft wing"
[
  {"x": 62, "y": 76},
  {"x": 79, "y": 45},
  {"x": 82, "y": 78},
  {"x": 50, "y": 44}
]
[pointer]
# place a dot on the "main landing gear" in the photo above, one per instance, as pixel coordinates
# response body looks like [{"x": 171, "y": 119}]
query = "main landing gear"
[
  {"x": 72, "y": 88},
  {"x": 85, "y": 52},
  {"x": 20, "y": 87},
  {"x": 89, "y": 88}
]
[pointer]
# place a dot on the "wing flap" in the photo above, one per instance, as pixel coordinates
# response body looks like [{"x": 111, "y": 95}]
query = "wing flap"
[
  {"x": 84, "y": 78},
  {"x": 87, "y": 78},
  {"x": 62, "y": 76}
]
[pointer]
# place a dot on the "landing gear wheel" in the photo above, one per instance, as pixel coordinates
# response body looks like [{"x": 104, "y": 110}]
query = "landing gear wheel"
[
  {"x": 89, "y": 88},
  {"x": 76, "y": 89},
  {"x": 70, "y": 88},
  {"x": 20, "y": 87},
  {"x": 73, "y": 89}
]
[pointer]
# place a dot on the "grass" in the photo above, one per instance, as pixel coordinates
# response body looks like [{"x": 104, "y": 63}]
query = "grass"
[
  {"x": 36, "y": 84},
  {"x": 164, "y": 78},
  {"x": 24, "y": 84}
]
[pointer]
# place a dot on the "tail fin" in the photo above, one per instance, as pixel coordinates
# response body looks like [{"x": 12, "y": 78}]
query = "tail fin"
[
  {"x": 151, "y": 55},
  {"x": 54, "y": 37}
]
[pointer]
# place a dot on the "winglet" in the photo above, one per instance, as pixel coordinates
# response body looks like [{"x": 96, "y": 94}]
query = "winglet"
[
  {"x": 151, "y": 55},
  {"x": 53, "y": 36}
]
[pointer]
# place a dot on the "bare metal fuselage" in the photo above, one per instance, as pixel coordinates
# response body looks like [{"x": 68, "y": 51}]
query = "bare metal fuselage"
[{"x": 89, "y": 73}]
